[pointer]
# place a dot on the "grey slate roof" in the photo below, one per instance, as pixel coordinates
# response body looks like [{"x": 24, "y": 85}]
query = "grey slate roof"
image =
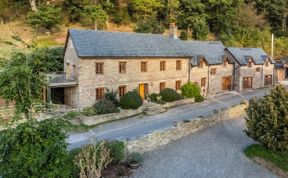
[
  {"x": 212, "y": 51},
  {"x": 91, "y": 43},
  {"x": 242, "y": 55}
]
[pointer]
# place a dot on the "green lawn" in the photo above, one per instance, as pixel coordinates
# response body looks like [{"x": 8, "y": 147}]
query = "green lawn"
[{"x": 278, "y": 159}]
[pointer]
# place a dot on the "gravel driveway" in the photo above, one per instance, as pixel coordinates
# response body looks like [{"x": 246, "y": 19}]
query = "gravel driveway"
[{"x": 216, "y": 152}]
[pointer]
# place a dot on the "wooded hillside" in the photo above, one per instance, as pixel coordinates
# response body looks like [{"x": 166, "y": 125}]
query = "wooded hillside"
[{"x": 242, "y": 23}]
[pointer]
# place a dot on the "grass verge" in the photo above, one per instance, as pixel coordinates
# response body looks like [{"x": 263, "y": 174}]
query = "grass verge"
[{"x": 278, "y": 159}]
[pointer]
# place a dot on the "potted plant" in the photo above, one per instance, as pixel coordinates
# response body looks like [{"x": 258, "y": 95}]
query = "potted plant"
[{"x": 134, "y": 160}]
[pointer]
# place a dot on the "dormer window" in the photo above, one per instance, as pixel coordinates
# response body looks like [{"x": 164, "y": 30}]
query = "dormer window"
[
  {"x": 201, "y": 63},
  {"x": 225, "y": 63},
  {"x": 250, "y": 63}
]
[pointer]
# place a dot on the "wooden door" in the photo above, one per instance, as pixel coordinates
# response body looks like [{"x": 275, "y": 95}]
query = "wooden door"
[
  {"x": 227, "y": 83},
  {"x": 142, "y": 90},
  {"x": 268, "y": 80},
  {"x": 247, "y": 82}
]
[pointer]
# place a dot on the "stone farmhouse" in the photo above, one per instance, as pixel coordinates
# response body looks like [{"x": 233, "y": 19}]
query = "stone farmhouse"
[{"x": 97, "y": 61}]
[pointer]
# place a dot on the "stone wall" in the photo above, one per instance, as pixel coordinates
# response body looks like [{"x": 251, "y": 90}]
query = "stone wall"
[
  {"x": 214, "y": 85},
  {"x": 112, "y": 79},
  {"x": 178, "y": 103},
  {"x": 181, "y": 129},
  {"x": 215, "y": 81},
  {"x": 197, "y": 74},
  {"x": 98, "y": 119},
  {"x": 258, "y": 78}
]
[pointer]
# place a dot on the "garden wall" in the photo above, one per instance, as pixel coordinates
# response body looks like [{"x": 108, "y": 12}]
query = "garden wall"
[
  {"x": 97, "y": 119},
  {"x": 181, "y": 129}
]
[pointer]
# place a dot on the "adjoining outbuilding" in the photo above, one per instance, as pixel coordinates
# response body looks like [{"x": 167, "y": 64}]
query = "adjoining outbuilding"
[
  {"x": 211, "y": 68},
  {"x": 253, "y": 68}
]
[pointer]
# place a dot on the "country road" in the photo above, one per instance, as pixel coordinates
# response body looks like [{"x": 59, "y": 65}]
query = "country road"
[{"x": 141, "y": 125}]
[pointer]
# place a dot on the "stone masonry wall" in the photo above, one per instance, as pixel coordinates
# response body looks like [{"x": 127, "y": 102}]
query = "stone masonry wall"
[
  {"x": 215, "y": 83},
  {"x": 196, "y": 74},
  {"x": 181, "y": 129},
  {"x": 258, "y": 78},
  {"x": 112, "y": 79}
]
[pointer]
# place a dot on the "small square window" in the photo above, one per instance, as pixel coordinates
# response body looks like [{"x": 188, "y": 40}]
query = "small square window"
[
  {"x": 100, "y": 93},
  {"x": 258, "y": 69},
  {"x": 178, "y": 65},
  {"x": 122, "y": 90},
  {"x": 143, "y": 66},
  {"x": 213, "y": 71},
  {"x": 162, "y": 86},
  {"x": 99, "y": 67},
  {"x": 162, "y": 65},
  {"x": 178, "y": 85},
  {"x": 203, "y": 82},
  {"x": 122, "y": 67}
]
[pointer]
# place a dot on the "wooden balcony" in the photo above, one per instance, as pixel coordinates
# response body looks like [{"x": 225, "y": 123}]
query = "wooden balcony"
[{"x": 56, "y": 80}]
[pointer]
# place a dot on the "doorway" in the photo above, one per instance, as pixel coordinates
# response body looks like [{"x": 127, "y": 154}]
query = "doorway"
[
  {"x": 226, "y": 83},
  {"x": 247, "y": 82},
  {"x": 143, "y": 90},
  {"x": 268, "y": 80}
]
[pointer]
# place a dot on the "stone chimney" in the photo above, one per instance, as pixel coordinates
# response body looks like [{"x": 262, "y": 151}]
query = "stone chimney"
[{"x": 173, "y": 30}]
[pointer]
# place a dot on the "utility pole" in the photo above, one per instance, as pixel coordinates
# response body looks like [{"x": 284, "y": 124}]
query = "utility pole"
[{"x": 272, "y": 46}]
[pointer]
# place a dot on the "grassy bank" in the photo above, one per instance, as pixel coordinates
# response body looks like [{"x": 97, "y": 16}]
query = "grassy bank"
[{"x": 278, "y": 159}]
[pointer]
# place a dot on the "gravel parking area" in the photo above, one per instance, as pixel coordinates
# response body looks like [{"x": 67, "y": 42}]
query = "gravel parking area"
[{"x": 215, "y": 152}]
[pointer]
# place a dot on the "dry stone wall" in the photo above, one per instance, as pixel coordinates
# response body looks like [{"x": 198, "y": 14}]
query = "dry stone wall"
[{"x": 181, "y": 129}]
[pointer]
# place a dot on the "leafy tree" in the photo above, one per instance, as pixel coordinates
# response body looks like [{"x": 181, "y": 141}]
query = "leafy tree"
[
  {"x": 145, "y": 9},
  {"x": 47, "y": 60},
  {"x": 192, "y": 16},
  {"x": 45, "y": 17},
  {"x": 19, "y": 83},
  {"x": 34, "y": 149},
  {"x": 149, "y": 26},
  {"x": 267, "y": 120},
  {"x": 276, "y": 12},
  {"x": 94, "y": 15},
  {"x": 220, "y": 14},
  {"x": 21, "y": 76}
]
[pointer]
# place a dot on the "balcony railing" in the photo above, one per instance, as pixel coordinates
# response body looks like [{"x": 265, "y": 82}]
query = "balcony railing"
[{"x": 55, "y": 79}]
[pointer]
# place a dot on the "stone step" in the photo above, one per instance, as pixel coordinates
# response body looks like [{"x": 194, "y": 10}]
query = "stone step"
[{"x": 153, "y": 108}]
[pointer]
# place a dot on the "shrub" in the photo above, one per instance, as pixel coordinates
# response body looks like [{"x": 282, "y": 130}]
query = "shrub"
[
  {"x": 131, "y": 100},
  {"x": 105, "y": 106},
  {"x": 46, "y": 17},
  {"x": 169, "y": 95},
  {"x": 71, "y": 115},
  {"x": 112, "y": 96},
  {"x": 184, "y": 35},
  {"x": 92, "y": 159},
  {"x": 199, "y": 98},
  {"x": 117, "y": 151},
  {"x": 34, "y": 149},
  {"x": 190, "y": 90},
  {"x": 267, "y": 120},
  {"x": 89, "y": 111},
  {"x": 154, "y": 97}
]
